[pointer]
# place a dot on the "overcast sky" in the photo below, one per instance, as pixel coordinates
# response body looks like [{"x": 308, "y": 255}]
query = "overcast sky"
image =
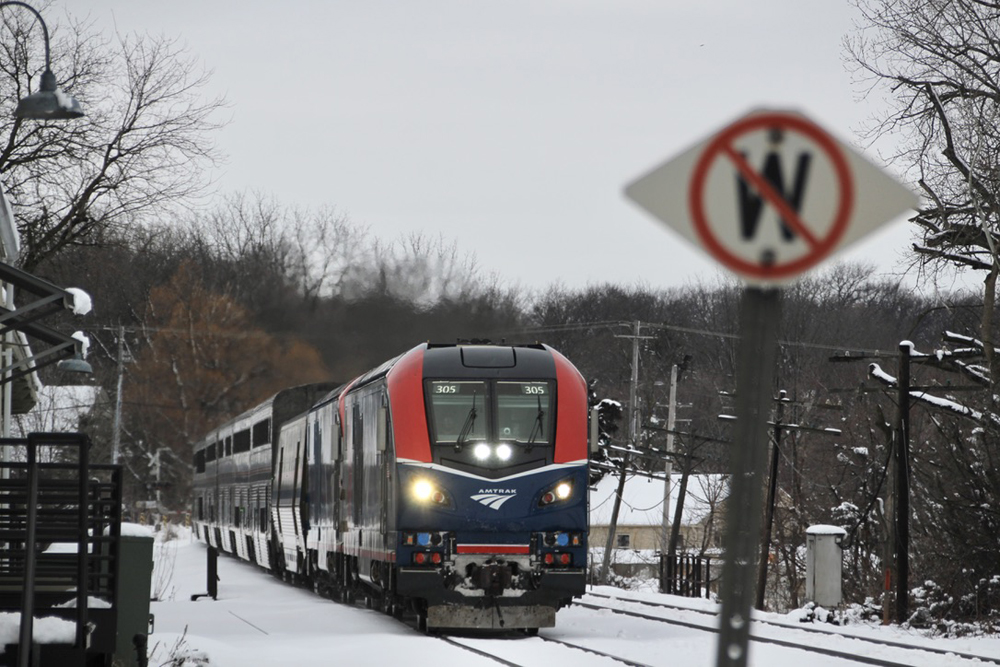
[{"x": 510, "y": 127}]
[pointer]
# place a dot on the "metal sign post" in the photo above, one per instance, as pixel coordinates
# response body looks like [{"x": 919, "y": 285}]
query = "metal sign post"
[
  {"x": 760, "y": 312},
  {"x": 769, "y": 196}
]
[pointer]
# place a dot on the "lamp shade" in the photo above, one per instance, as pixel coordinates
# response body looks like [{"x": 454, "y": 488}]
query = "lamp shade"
[
  {"x": 49, "y": 102},
  {"x": 76, "y": 364}
]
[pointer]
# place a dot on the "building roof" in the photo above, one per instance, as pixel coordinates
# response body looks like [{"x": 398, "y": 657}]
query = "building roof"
[{"x": 642, "y": 500}]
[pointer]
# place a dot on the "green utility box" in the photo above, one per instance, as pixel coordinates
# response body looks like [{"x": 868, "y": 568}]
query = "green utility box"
[{"x": 135, "y": 573}]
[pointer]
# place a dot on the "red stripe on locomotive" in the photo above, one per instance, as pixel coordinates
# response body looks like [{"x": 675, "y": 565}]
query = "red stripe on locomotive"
[
  {"x": 571, "y": 416},
  {"x": 406, "y": 397},
  {"x": 493, "y": 549}
]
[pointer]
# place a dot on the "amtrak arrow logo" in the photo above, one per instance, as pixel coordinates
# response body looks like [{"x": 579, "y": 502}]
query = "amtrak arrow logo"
[{"x": 492, "y": 500}]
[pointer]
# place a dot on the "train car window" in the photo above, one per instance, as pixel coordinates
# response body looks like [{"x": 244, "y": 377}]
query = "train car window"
[
  {"x": 210, "y": 453},
  {"x": 199, "y": 461},
  {"x": 523, "y": 412},
  {"x": 262, "y": 433},
  {"x": 459, "y": 411},
  {"x": 229, "y": 445},
  {"x": 241, "y": 441}
]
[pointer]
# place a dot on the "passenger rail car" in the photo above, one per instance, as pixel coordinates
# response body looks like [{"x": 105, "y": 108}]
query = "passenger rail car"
[{"x": 450, "y": 481}]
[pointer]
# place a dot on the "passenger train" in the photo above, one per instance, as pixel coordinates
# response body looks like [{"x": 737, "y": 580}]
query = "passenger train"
[{"x": 450, "y": 482}]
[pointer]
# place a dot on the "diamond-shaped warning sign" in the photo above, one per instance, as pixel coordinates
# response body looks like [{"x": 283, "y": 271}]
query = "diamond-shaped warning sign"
[{"x": 771, "y": 196}]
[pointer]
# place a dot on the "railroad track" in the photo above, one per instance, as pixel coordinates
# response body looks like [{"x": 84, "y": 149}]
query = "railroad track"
[
  {"x": 510, "y": 650},
  {"x": 497, "y": 647},
  {"x": 758, "y": 637}
]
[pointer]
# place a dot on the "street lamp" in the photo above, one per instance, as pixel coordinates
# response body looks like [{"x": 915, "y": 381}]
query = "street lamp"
[
  {"x": 75, "y": 364},
  {"x": 49, "y": 102}
]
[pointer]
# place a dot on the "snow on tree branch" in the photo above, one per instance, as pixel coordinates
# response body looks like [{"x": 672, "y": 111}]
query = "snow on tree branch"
[{"x": 948, "y": 405}]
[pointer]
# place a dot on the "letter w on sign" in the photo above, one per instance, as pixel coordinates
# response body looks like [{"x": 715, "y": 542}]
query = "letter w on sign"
[{"x": 751, "y": 203}]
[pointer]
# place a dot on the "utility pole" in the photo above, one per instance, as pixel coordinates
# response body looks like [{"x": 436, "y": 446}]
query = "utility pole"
[
  {"x": 772, "y": 488},
  {"x": 896, "y": 516},
  {"x": 903, "y": 485},
  {"x": 116, "y": 427},
  {"x": 633, "y": 434},
  {"x": 667, "y": 464},
  {"x": 889, "y": 522},
  {"x": 778, "y": 427}
]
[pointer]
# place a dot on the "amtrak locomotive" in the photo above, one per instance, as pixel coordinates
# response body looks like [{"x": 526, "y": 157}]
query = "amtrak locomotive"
[{"x": 450, "y": 482}]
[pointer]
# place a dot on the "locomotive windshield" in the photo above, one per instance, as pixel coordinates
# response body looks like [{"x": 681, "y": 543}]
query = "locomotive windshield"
[
  {"x": 458, "y": 411},
  {"x": 502, "y": 411},
  {"x": 523, "y": 411}
]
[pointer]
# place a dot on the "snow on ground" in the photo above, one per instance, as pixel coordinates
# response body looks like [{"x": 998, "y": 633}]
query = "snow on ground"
[{"x": 259, "y": 621}]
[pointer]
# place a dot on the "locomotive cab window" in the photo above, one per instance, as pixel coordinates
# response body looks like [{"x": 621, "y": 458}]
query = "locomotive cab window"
[
  {"x": 523, "y": 412},
  {"x": 499, "y": 411},
  {"x": 458, "y": 411}
]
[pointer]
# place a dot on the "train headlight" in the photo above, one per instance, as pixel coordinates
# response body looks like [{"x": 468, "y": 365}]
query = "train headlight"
[
  {"x": 485, "y": 451},
  {"x": 422, "y": 490},
  {"x": 427, "y": 492},
  {"x": 558, "y": 493}
]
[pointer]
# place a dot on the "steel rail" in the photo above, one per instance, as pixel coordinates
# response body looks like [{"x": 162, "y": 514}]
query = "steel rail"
[
  {"x": 477, "y": 651},
  {"x": 631, "y": 663},
  {"x": 833, "y": 653},
  {"x": 804, "y": 628}
]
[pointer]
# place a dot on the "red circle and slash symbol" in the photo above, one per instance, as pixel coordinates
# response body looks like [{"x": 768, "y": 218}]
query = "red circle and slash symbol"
[{"x": 819, "y": 244}]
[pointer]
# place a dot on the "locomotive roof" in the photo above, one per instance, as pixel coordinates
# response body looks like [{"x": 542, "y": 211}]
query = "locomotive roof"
[
  {"x": 472, "y": 359},
  {"x": 486, "y": 359}
]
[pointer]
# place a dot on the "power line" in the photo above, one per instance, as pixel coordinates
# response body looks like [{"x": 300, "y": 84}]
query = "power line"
[{"x": 586, "y": 326}]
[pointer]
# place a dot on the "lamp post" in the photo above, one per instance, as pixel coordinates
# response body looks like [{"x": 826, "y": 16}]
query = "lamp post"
[{"x": 49, "y": 102}]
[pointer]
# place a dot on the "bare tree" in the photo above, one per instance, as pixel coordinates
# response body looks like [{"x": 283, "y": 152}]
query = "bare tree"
[
  {"x": 940, "y": 62},
  {"x": 140, "y": 149},
  {"x": 278, "y": 261},
  {"x": 424, "y": 270}
]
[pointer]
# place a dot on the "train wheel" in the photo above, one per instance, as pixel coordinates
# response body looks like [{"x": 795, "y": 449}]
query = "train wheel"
[{"x": 422, "y": 621}]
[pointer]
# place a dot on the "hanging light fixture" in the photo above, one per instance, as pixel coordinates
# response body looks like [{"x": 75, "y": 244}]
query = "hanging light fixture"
[{"x": 49, "y": 102}]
